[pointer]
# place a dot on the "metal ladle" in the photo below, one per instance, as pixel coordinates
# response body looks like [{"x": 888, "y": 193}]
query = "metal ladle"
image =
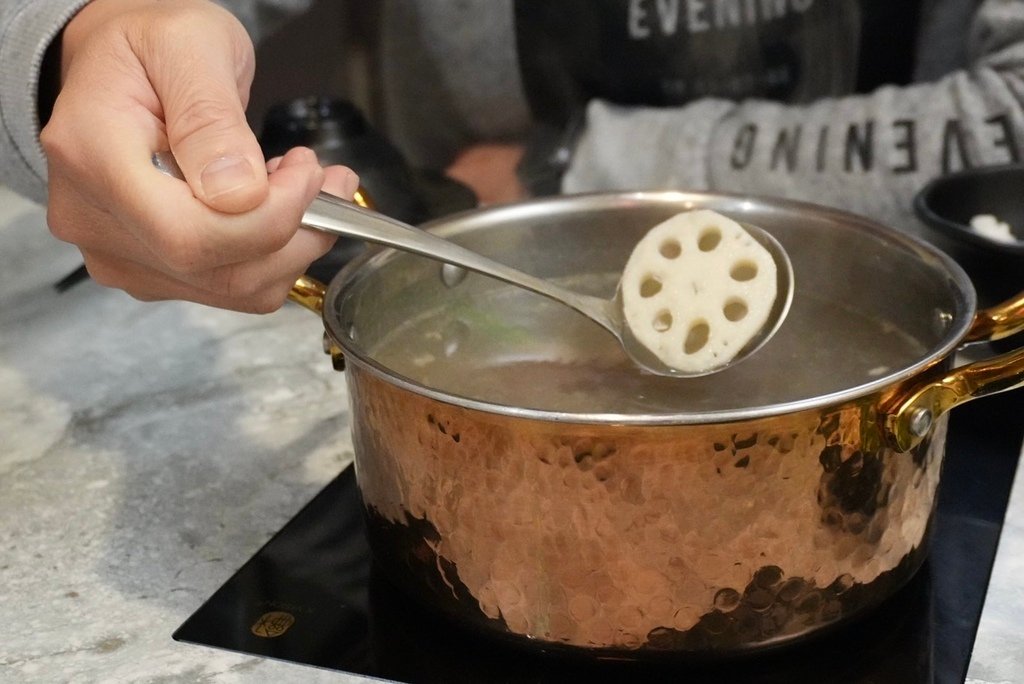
[{"x": 334, "y": 215}]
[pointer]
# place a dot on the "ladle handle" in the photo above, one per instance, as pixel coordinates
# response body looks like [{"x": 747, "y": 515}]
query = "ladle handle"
[
  {"x": 334, "y": 215},
  {"x": 337, "y": 216}
]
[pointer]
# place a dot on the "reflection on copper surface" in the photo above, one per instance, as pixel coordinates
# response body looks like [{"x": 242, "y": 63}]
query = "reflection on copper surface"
[{"x": 642, "y": 538}]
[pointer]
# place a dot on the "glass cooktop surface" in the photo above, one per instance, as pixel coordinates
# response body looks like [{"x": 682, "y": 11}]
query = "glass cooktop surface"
[{"x": 312, "y": 596}]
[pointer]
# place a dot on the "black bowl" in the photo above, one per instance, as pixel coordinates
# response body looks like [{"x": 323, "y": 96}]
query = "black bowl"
[{"x": 946, "y": 205}]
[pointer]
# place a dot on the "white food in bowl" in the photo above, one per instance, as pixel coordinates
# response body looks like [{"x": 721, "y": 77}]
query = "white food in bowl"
[
  {"x": 696, "y": 289},
  {"x": 991, "y": 227}
]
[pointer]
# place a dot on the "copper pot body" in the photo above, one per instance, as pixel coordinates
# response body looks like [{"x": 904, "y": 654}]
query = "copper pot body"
[
  {"x": 741, "y": 524},
  {"x": 692, "y": 538}
]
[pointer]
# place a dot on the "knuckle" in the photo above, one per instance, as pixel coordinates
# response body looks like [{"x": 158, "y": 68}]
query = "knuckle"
[
  {"x": 63, "y": 218},
  {"x": 51, "y": 138},
  {"x": 104, "y": 273},
  {"x": 59, "y": 223},
  {"x": 63, "y": 232},
  {"x": 59, "y": 146},
  {"x": 266, "y": 303},
  {"x": 146, "y": 297},
  {"x": 55, "y": 130},
  {"x": 252, "y": 293},
  {"x": 202, "y": 117}
]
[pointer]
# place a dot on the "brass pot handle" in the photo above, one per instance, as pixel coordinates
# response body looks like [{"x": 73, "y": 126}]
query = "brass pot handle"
[
  {"x": 998, "y": 321},
  {"x": 309, "y": 292},
  {"x": 908, "y": 415}
]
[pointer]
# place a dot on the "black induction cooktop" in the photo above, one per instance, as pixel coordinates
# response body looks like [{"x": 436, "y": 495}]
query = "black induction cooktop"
[{"x": 312, "y": 596}]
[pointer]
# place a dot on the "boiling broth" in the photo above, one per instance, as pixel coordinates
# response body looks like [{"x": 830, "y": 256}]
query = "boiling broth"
[{"x": 506, "y": 346}]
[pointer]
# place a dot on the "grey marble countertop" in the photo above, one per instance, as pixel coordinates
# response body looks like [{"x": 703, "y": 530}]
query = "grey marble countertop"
[
  {"x": 998, "y": 656},
  {"x": 148, "y": 450}
]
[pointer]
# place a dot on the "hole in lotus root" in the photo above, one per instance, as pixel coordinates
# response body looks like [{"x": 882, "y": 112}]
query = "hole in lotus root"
[
  {"x": 697, "y": 338},
  {"x": 735, "y": 310},
  {"x": 649, "y": 287},
  {"x": 670, "y": 249},
  {"x": 743, "y": 271},
  {"x": 709, "y": 239},
  {"x": 663, "y": 321}
]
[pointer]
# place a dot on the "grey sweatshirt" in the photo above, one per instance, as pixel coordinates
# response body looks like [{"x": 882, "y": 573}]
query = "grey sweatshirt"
[{"x": 452, "y": 76}]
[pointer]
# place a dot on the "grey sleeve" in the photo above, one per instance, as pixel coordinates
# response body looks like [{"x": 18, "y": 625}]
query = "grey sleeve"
[
  {"x": 865, "y": 153},
  {"x": 27, "y": 27}
]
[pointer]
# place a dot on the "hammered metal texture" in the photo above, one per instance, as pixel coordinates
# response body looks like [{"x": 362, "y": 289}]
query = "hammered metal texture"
[{"x": 640, "y": 539}]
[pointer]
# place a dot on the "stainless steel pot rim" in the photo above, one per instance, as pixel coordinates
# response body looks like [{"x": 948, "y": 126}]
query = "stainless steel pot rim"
[{"x": 952, "y": 340}]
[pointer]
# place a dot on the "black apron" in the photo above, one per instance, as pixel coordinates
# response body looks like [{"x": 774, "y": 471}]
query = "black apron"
[{"x": 669, "y": 52}]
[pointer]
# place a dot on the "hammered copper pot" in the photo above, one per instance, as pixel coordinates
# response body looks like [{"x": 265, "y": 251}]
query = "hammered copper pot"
[{"x": 519, "y": 475}]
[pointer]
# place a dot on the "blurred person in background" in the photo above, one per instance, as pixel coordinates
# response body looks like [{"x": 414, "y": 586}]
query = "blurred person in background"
[{"x": 853, "y": 104}]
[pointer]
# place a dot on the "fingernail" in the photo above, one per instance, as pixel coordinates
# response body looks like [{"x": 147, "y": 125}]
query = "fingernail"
[{"x": 225, "y": 175}]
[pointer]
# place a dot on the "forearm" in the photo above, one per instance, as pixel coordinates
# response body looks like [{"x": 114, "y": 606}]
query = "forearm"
[{"x": 866, "y": 153}]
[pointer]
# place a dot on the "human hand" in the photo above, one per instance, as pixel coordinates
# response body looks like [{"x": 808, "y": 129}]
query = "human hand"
[
  {"x": 140, "y": 76},
  {"x": 489, "y": 170}
]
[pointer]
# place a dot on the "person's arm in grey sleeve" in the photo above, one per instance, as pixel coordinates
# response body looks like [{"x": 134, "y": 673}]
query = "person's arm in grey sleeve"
[
  {"x": 28, "y": 29},
  {"x": 866, "y": 153}
]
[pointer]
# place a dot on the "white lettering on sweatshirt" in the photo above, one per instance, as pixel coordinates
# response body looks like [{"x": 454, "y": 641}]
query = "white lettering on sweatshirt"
[
  {"x": 647, "y": 18},
  {"x": 789, "y": 149}
]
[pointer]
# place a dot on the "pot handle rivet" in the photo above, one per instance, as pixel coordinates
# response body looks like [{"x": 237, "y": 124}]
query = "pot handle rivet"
[
  {"x": 921, "y": 421},
  {"x": 908, "y": 414}
]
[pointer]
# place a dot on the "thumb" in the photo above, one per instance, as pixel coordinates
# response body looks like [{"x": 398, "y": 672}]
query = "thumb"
[{"x": 203, "y": 93}]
